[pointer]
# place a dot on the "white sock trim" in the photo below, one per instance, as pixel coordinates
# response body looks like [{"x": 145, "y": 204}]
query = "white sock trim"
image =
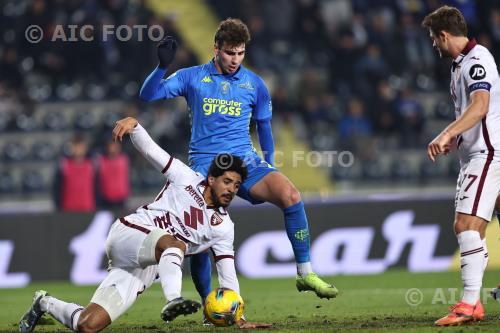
[
  {"x": 174, "y": 251},
  {"x": 304, "y": 268},
  {"x": 74, "y": 319}
]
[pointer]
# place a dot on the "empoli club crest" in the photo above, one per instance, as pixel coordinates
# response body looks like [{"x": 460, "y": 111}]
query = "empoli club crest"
[{"x": 224, "y": 87}]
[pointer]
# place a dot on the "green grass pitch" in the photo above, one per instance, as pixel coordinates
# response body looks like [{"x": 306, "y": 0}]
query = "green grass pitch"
[{"x": 374, "y": 303}]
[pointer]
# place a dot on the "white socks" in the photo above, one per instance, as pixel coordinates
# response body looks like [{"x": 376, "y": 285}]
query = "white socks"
[
  {"x": 471, "y": 264},
  {"x": 485, "y": 263},
  {"x": 170, "y": 271},
  {"x": 304, "y": 268},
  {"x": 66, "y": 313}
]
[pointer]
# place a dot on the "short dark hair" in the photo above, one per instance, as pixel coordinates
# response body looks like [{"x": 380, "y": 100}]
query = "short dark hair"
[
  {"x": 233, "y": 32},
  {"x": 448, "y": 19},
  {"x": 227, "y": 162}
]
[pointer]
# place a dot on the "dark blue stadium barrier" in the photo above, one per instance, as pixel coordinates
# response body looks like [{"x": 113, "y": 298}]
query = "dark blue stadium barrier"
[{"x": 348, "y": 237}]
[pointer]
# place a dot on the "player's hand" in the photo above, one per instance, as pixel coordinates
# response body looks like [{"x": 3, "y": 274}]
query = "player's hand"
[
  {"x": 246, "y": 325},
  {"x": 124, "y": 126},
  {"x": 440, "y": 145},
  {"x": 451, "y": 146},
  {"x": 166, "y": 51}
]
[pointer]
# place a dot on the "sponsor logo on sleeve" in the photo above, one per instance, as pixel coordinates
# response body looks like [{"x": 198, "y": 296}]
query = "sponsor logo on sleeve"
[{"x": 477, "y": 72}]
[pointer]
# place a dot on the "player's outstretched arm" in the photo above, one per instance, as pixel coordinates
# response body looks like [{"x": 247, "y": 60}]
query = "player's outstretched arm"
[
  {"x": 158, "y": 157},
  {"x": 152, "y": 89},
  {"x": 226, "y": 272},
  {"x": 173, "y": 169}
]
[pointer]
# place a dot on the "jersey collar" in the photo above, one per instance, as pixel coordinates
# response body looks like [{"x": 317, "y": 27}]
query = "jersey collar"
[
  {"x": 213, "y": 71},
  {"x": 220, "y": 210},
  {"x": 468, "y": 47}
]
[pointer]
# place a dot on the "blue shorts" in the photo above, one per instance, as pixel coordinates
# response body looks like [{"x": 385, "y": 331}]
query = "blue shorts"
[{"x": 257, "y": 169}]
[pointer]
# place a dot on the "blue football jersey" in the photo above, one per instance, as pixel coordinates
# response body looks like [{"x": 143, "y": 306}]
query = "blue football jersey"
[{"x": 221, "y": 107}]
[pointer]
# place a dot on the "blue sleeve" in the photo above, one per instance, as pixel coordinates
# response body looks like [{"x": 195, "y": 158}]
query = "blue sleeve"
[
  {"x": 266, "y": 139},
  {"x": 263, "y": 106},
  {"x": 155, "y": 87}
]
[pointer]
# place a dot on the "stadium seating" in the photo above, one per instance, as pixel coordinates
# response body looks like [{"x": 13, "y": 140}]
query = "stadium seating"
[
  {"x": 85, "y": 121},
  {"x": 373, "y": 170},
  {"x": 401, "y": 169},
  {"x": 26, "y": 122},
  {"x": 44, "y": 151},
  {"x": 55, "y": 121},
  {"x": 32, "y": 181},
  {"x": 4, "y": 121},
  {"x": 7, "y": 183},
  {"x": 59, "y": 94},
  {"x": 15, "y": 152}
]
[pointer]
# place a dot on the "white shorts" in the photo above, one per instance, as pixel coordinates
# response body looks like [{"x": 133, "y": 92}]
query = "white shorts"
[
  {"x": 478, "y": 185},
  {"x": 132, "y": 245},
  {"x": 120, "y": 289},
  {"x": 132, "y": 268}
]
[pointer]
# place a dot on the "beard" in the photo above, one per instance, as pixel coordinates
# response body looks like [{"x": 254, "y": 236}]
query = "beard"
[
  {"x": 216, "y": 201},
  {"x": 444, "y": 54}
]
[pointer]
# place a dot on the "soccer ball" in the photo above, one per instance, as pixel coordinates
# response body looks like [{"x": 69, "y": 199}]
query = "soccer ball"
[{"x": 223, "y": 307}]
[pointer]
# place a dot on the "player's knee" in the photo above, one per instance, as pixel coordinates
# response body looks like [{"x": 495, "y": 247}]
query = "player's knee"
[
  {"x": 290, "y": 196},
  {"x": 466, "y": 222},
  {"x": 88, "y": 325},
  {"x": 166, "y": 242},
  {"x": 94, "y": 317}
]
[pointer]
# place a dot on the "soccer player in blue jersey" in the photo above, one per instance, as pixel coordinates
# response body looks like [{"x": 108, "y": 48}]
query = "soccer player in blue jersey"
[{"x": 223, "y": 96}]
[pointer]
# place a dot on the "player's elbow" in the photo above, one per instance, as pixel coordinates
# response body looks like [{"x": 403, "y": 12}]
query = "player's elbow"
[
  {"x": 482, "y": 107},
  {"x": 482, "y": 111},
  {"x": 145, "y": 96}
]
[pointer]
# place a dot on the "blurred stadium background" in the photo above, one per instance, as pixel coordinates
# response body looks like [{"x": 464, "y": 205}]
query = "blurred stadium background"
[{"x": 358, "y": 76}]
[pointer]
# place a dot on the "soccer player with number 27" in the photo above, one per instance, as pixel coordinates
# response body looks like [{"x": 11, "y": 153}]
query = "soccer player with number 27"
[{"x": 475, "y": 91}]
